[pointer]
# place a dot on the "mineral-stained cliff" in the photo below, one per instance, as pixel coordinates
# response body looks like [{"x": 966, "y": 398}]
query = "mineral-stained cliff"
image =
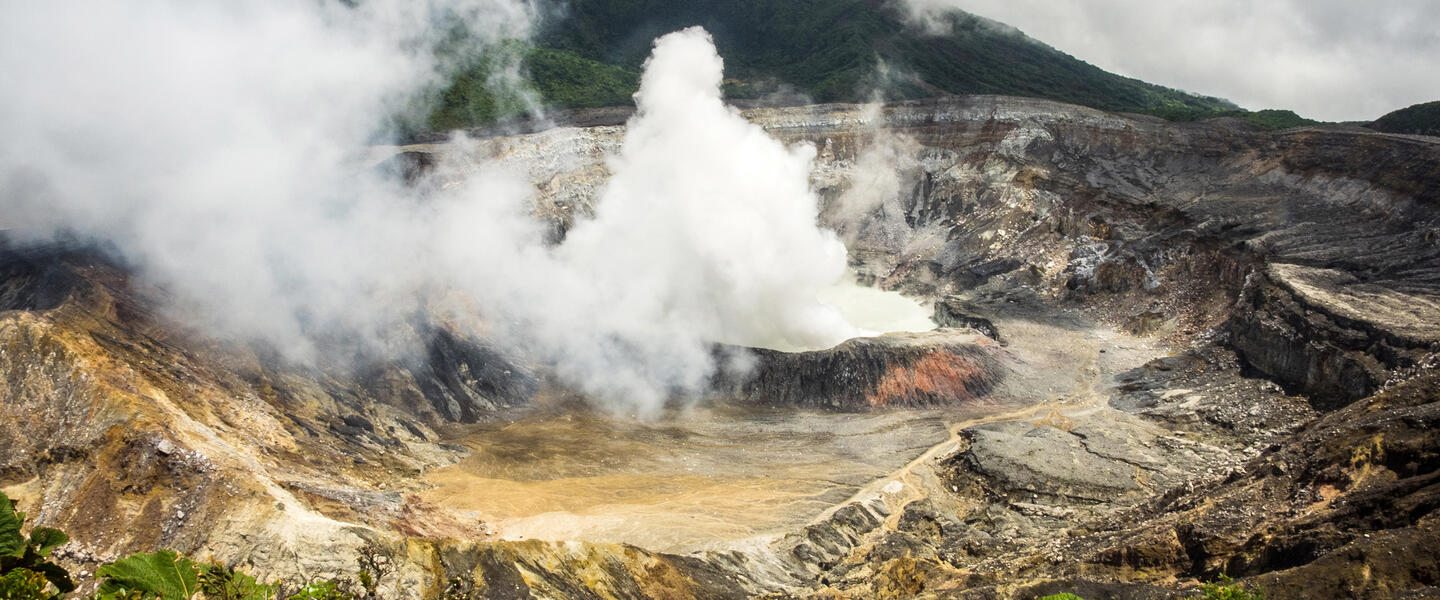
[
  {"x": 1206, "y": 347},
  {"x": 914, "y": 370}
]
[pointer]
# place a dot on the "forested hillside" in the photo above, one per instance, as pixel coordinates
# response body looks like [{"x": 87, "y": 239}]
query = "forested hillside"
[{"x": 819, "y": 50}]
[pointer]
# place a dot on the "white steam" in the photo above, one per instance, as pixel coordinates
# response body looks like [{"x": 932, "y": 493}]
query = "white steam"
[
  {"x": 706, "y": 232},
  {"x": 211, "y": 143},
  {"x": 870, "y": 214},
  {"x": 708, "y": 222},
  {"x": 218, "y": 147}
]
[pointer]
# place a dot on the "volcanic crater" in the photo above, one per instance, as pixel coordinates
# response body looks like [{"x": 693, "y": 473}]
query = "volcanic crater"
[{"x": 1163, "y": 351}]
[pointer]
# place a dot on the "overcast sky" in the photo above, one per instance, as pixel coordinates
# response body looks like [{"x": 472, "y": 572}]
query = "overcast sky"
[{"x": 1325, "y": 59}]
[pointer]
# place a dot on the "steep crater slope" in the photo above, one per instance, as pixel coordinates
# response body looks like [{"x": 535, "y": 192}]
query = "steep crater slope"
[{"x": 1332, "y": 234}]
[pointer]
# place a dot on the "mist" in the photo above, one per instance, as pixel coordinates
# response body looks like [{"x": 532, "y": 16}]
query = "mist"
[
  {"x": 221, "y": 149},
  {"x": 216, "y": 146}
]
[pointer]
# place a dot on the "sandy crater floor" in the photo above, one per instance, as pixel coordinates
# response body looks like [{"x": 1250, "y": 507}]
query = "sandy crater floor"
[
  {"x": 722, "y": 477},
  {"x": 706, "y": 478}
]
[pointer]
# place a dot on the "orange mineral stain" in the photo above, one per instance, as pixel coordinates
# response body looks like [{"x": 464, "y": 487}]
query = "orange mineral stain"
[{"x": 937, "y": 377}]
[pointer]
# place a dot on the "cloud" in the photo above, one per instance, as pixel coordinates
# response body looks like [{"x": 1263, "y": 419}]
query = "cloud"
[{"x": 1325, "y": 59}]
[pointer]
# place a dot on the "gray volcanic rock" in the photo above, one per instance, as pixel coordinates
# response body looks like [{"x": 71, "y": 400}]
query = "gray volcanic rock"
[
  {"x": 467, "y": 380},
  {"x": 1332, "y": 335},
  {"x": 30, "y": 278},
  {"x": 1166, "y": 220},
  {"x": 1024, "y": 459},
  {"x": 952, "y": 312},
  {"x": 1101, "y": 457}
]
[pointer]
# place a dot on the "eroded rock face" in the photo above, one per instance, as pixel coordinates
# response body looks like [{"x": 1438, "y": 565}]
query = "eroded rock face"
[
  {"x": 130, "y": 435},
  {"x": 1330, "y": 334},
  {"x": 1344, "y": 507},
  {"x": 1165, "y": 221},
  {"x": 952, "y": 312},
  {"x": 31, "y": 280},
  {"x": 898, "y": 370},
  {"x": 467, "y": 380}
]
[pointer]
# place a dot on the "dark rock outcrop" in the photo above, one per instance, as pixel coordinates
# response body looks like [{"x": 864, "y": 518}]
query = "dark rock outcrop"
[
  {"x": 1329, "y": 334},
  {"x": 940, "y": 368},
  {"x": 467, "y": 380},
  {"x": 1347, "y": 506},
  {"x": 34, "y": 278},
  {"x": 951, "y": 312}
]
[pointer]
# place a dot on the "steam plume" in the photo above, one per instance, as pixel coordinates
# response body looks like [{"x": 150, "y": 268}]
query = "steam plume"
[
  {"x": 705, "y": 232},
  {"x": 216, "y": 146},
  {"x": 214, "y": 143}
]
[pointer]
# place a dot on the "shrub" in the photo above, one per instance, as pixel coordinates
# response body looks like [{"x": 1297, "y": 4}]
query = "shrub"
[
  {"x": 26, "y": 572},
  {"x": 1226, "y": 588},
  {"x": 164, "y": 575},
  {"x": 223, "y": 583},
  {"x": 167, "y": 575}
]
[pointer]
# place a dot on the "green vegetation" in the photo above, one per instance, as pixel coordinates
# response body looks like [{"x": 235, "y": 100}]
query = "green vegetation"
[
  {"x": 1421, "y": 119},
  {"x": 25, "y": 568},
  {"x": 163, "y": 574},
  {"x": 489, "y": 88},
  {"x": 564, "y": 79},
  {"x": 1265, "y": 119},
  {"x": 828, "y": 50},
  {"x": 166, "y": 575},
  {"x": 508, "y": 80},
  {"x": 1065, "y": 596},
  {"x": 1225, "y": 588},
  {"x": 224, "y": 583},
  {"x": 1275, "y": 119},
  {"x": 26, "y": 573}
]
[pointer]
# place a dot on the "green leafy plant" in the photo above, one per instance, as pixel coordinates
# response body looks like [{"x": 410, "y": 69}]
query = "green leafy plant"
[
  {"x": 167, "y": 575},
  {"x": 26, "y": 571},
  {"x": 24, "y": 584},
  {"x": 1225, "y": 588},
  {"x": 1065, "y": 596},
  {"x": 163, "y": 574},
  {"x": 122, "y": 595}
]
